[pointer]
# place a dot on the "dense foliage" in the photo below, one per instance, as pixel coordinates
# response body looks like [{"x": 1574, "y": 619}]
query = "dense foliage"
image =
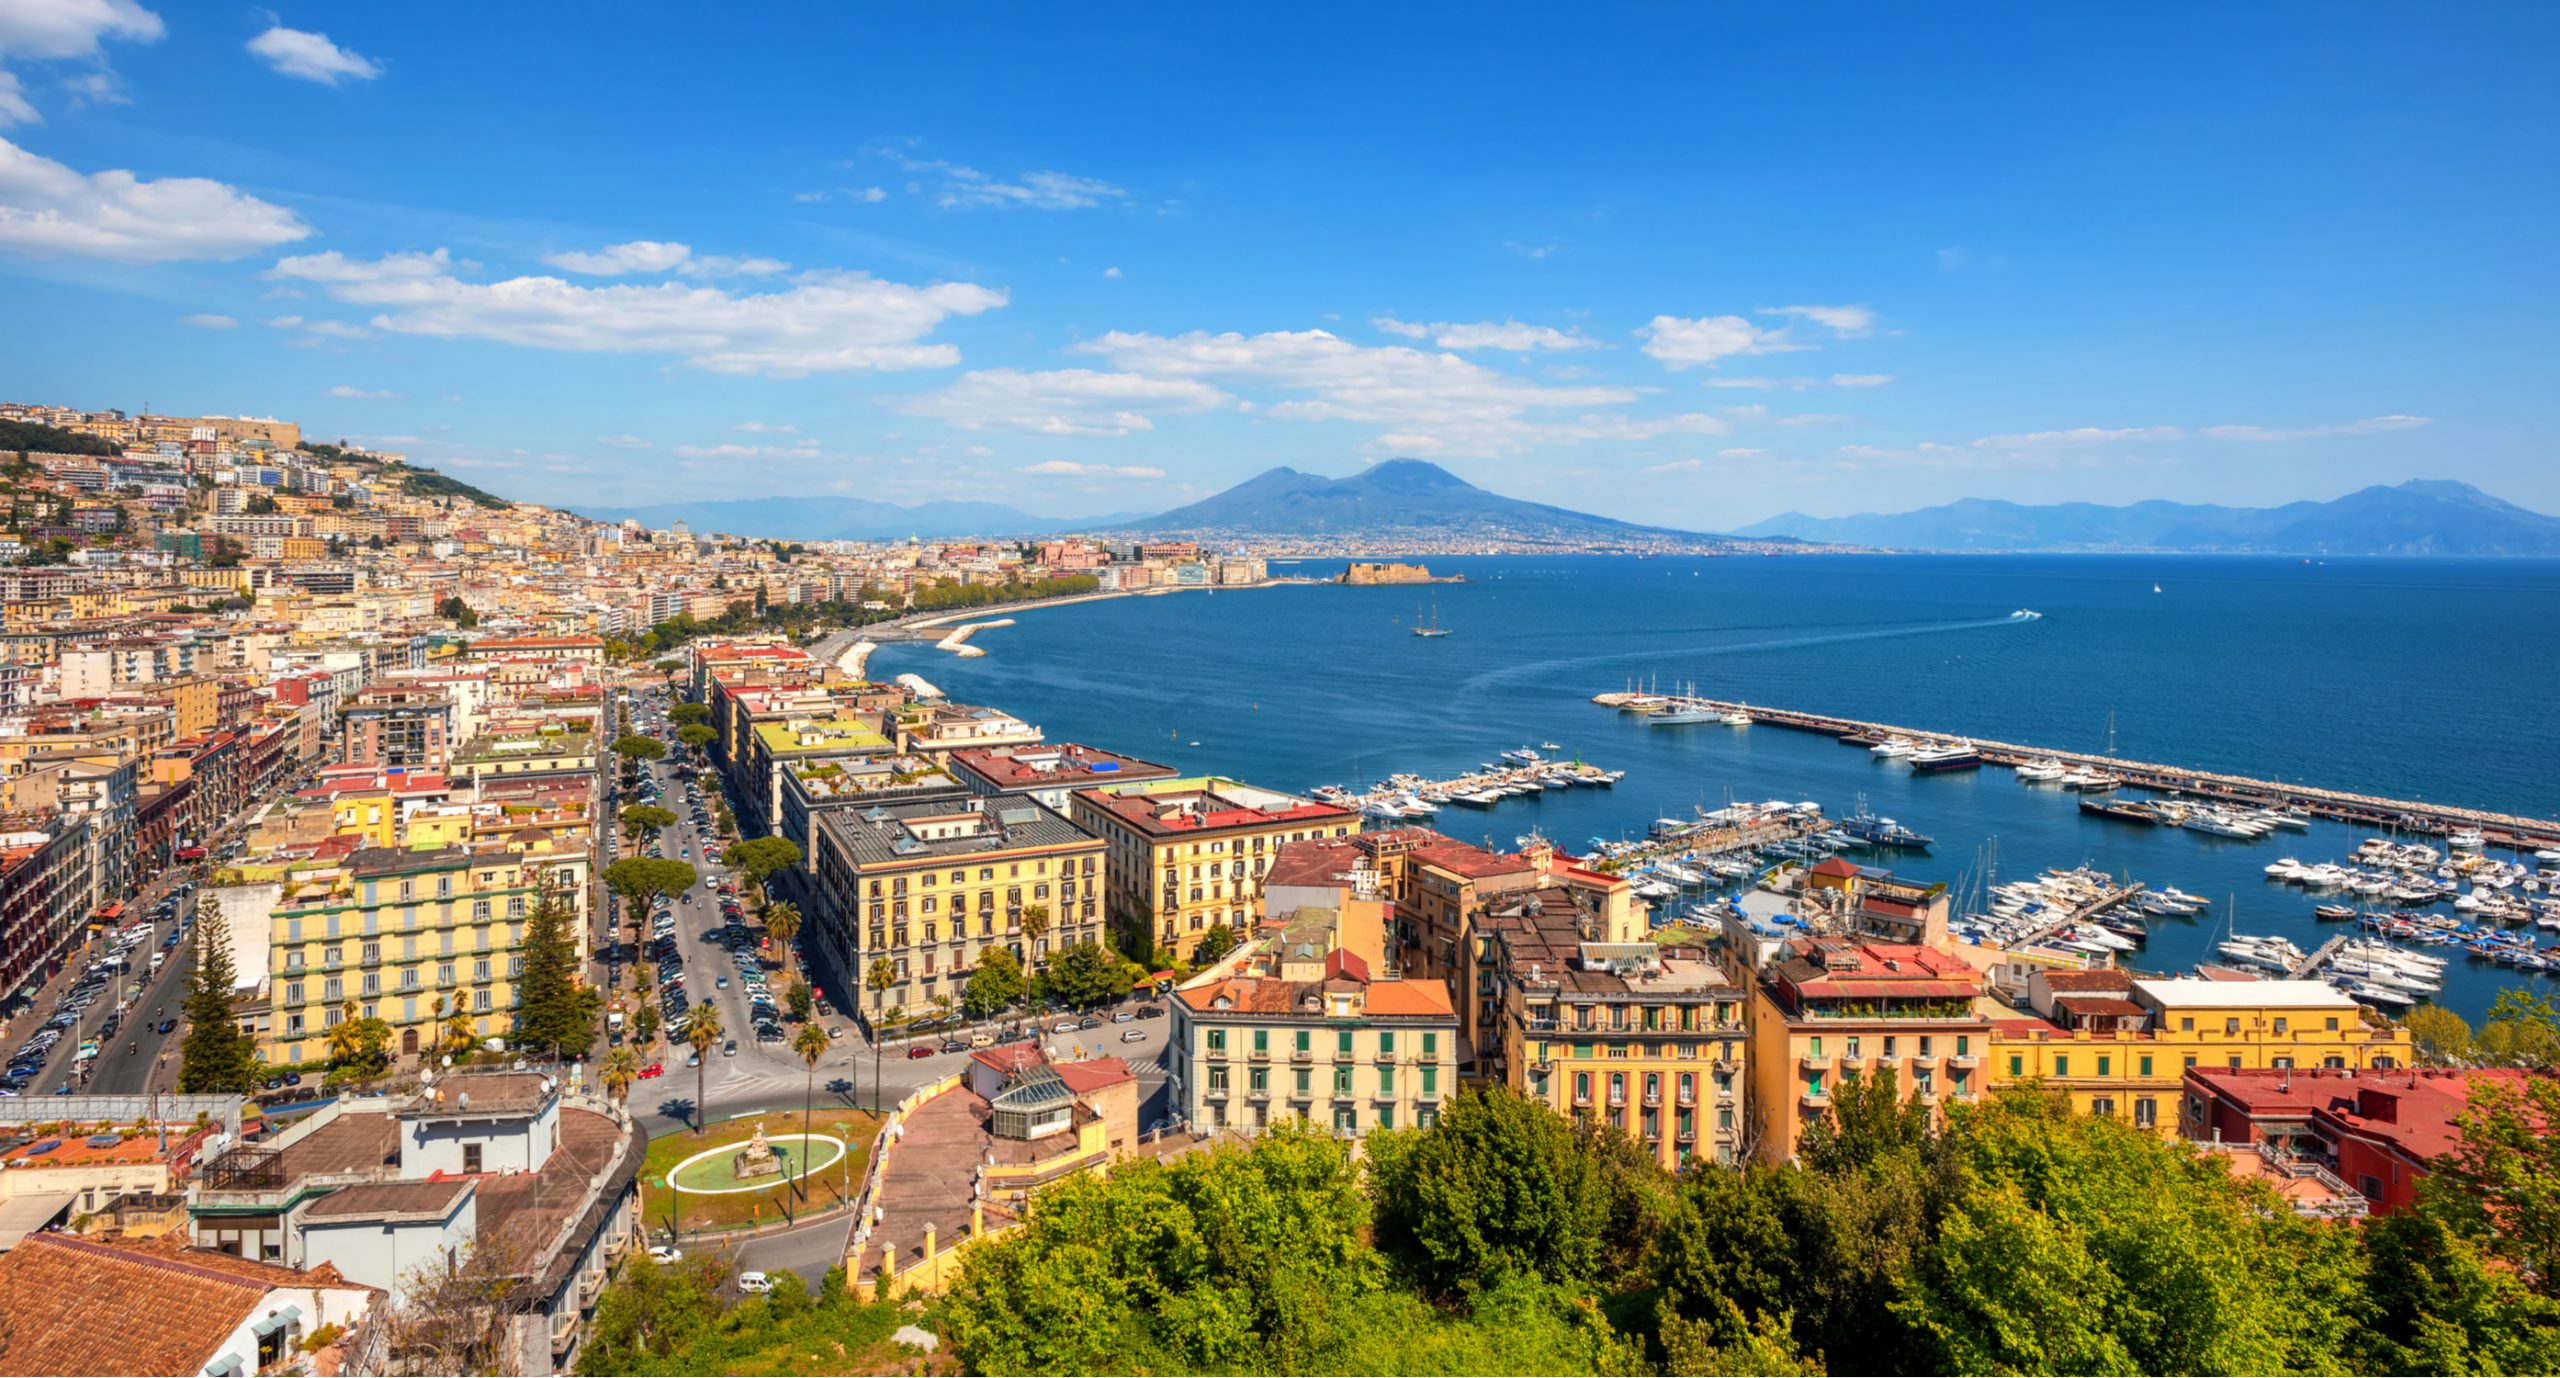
[
  {"x": 670, "y": 1319},
  {"x": 2017, "y": 1238},
  {"x": 427, "y": 483},
  {"x": 33, "y": 437},
  {"x": 555, "y": 1009},
  {"x": 217, "y": 1055}
]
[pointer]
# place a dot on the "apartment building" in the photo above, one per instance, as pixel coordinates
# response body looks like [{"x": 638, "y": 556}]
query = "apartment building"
[
  {"x": 1648, "y": 1039},
  {"x": 1293, "y": 1032},
  {"x": 1051, "y": 772},
  {"x": 1188, "y": 853},
  {"x": 407, "y": 936},
  {"x": 928, "y": 886},
  {"x": 1829, "y": 1008}
]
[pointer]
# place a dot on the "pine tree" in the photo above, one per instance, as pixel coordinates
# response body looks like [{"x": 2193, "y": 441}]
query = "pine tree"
[
  {"x": 553, "y": 1010},
  {"x": 217, "y": 1057}
]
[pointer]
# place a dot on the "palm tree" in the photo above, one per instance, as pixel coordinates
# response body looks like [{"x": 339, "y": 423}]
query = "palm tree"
[
  {"x": 1035, "y": 921},
  {"x": 782, "y": 924},
  {"x": 459, "y": 1031},
  {"x": 701, "y": 1029},
  {"x": 621, "y": 1069},
  {"x": 889, "y": 1023},
  {"x": 810, "y": 1045},
  {"x": 345, "y": 1041},
  {"x": 880, "y": 977}
]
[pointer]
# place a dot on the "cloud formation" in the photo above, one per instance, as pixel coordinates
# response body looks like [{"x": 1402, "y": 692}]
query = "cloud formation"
[
  {"x": 1847, "y": 322},
  {"x": 362, "y": 394},
  {"x": 1068, "y": 468},
  {"x": 824, "y": 322},
  {"x": 1679, "y": 342},
  {"x": 658, "y": 257},
  {"x": 52, "y": 211},
  {"x": 209, "y": 321},
  {"x": 1507, "y": 335},
  {"x": 2371, "y": 425},
  {"x": 1067, "y": 401},
  {"x": 312, "y": 57},
  {"x": 957, "y": 186},
  {"x": 56, "y": 30}
]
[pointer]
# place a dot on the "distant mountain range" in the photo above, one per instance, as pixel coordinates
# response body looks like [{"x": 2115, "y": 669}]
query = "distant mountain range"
[
  {"x": 1395, "y": 496},
  {"x": 850, "y": 519},
  {"x": 1398, "y": 496},
  {"x": 2420, "y": 517}
]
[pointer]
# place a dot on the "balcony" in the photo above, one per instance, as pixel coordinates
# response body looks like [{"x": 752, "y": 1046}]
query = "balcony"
[
  {"x": 1582, "y": 1100},
  {"x": 1688, "y": 1136},
  {"x": 1216, "y": 1093},
  {"x": 1653, "y": 1100},
  {"x": 1812, "y": 1063},
  {"x": 1964, "y": 1061},
  {"x": 1302, "y": 1055},
  {"x": 1816, "y": 1100},
  {"x": 1687, "y": 1099},
  {"x": 1260, "y": 1055}
]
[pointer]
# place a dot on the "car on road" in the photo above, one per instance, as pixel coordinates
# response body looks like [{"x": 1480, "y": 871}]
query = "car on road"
[
  {"x": 1151, "y": 1011},
  {"x": 693, "y": 1059},
  {"x": 982, "y": 1039},
  {"x": 953, "y": 1045},
  {"x": 729, "y": 1049},
  {"x": 665, "y": 1253},
  {"x": 920, "y": 1050},
  {"x": 1090, "y": 1021},
  {"x": 1133, "y": 1035},
  {"x": 1122, "y": 1016},
  {"x": 755, "y": 1282},
  {"x": 166, "y": 1025},
  {"x": 1063, "y": 1026},
  {"x": 720, "y": 983},
  {"x": 654, "y": 1069}
]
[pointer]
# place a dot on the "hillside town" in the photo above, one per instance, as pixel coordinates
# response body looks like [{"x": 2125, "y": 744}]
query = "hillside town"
[{"x": 370, "y": 844}]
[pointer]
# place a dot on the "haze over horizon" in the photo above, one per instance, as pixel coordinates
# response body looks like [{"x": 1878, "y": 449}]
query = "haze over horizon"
[{"x": 1690, "y": 270}]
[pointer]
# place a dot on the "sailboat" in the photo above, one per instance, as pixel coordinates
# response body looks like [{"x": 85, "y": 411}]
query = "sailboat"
[{"x": 1432, "y": 627}]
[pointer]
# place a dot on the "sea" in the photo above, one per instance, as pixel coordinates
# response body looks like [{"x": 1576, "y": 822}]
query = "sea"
[{"x": 2412, "y": 678}]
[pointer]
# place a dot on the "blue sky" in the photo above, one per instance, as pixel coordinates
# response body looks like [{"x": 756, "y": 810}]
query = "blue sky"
[{"x": 1688, "y": 265}]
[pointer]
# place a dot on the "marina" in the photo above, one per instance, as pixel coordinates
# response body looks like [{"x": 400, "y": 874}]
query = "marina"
[
  {"x": 1521, "y": 772},
  {"x": 2229, "y": 792}
]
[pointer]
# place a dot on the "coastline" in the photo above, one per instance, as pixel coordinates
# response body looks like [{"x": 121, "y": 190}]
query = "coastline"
[{"x": 1015, "y": 609}]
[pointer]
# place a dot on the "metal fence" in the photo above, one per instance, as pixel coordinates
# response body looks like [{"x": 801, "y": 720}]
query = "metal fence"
[{"x": 123, "y": 1109}]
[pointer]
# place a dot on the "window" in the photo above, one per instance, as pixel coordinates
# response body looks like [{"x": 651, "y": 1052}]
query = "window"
[
  {"x": 2102, "y": 1106},
  {"x": 1964, "y": 1046},
  {"x": 2017, "y": 1065},
  {"x": 2146, "y": 1064},
  {"x": 1342, "y": 1081},
  {"x": 2146, "y": 1112},
  {"x": 1302, "y": 1081},
  {"x": 1217, "y": 1077},
  {"x": 1386, "y": 1042},
  {"x": 1342, "y": 1041},
  {"x": 2104, "y": 1062},
  {"x": 471, "y": 1157},
  {"x": 1430, "y": 1080},
  {"x": 2280, "y": 1024},
  {"x": 1386, "y": 1081},
  {"x": 1261, "y": 1080},
  {"x": 1262, "y": 1040}
]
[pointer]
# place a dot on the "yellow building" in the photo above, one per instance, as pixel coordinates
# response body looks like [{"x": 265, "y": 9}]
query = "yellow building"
[
  {"x": 1647, "y": 1039},
  {"x": 403, "y": 935},
  {"x": 1829, "y": 1008},
  {"x": 1280, "y": 1032},
  {"x": 2127, "y": 1054},
  {"x": 1184, "y": 855}
]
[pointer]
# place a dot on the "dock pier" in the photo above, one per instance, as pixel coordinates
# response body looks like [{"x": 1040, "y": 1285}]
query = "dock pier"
[
  {"x": 2312, "y": 963},
  {"x": 2083, "y": 914},
  {"x": 1476, "y": 789},
  {"x": 2405, "y": 815}
]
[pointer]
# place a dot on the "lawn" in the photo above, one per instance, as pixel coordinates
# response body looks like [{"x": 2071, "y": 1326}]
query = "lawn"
[{"x": 829, "y": 1187}]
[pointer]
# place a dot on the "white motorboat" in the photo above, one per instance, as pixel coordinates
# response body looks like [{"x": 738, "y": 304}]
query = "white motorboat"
[
  {"x": 1894, "y": 747},
  {"x": 2043, "y": 772}
]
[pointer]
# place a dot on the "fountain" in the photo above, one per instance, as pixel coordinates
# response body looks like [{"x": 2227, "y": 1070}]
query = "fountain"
[{"x": 757, "y": 1159}]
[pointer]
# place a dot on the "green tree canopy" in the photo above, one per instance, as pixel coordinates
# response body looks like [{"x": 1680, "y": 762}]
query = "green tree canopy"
[
  {"x": 1084, "y": 974},
  {"x": 217, "y": 1056},
  {"x": 636, "y": 747},
  {"x": 761, "y": 858},
  {"x": 554, "y": 1008},
  {"x": 684, "y": 713},
  {"x": 996, "y": 985},
  {"x": 1501, "y": 1185},
  {"x": 697, "y": 735},
  {"x": 640, "y": 880},
  {"x": 640, "y": 820}
]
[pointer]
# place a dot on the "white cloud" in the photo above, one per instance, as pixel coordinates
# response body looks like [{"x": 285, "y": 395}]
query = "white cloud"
[
  {"x": 657, "y": 257},
  {"x": 625, "y": 441},
  {"x": 1860, "y": 380},
  {"x": 209, "y": 321},
  {"x": 1742, "y": 454},
  {"x": 1068, "y": 468},
  {"x": 2078, "y": 437},
  {"x": 54, "y": 30},
  {"x": 2371, "y": 425},
  {"x": 1069, "y": 401},
  {"x": 339, "y": 330},
  {"x": 614, "y": 260},
  {"x": 1675, "y": 466},
  {"x": 866, "y": 195},
  {"x": 1508, "y": 335},
  {"x": 803, "y": 449},
  {"x": 1430, "y": 403},
  {"x": 1111, "y": 273},
  {"x": 342, "y": 390},
  {"x": 826, "y": 321},
  {"x": 1682, "y": 343},
  {"x": 51, "y": 211},
  {"x": 312, "y": 57},
  {"x": 960, "y": 187},
  {"x": 1847, "y": 322},
  {"x": 766, "y": 428},
  {"x": 283, "y": 322}
]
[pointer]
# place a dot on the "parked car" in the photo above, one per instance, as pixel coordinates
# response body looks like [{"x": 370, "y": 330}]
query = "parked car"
[
  {"x": 1090, "y": 1021},
  {"x": 1122, "y": 1016},
  {"x": 1151, "y": 1011},
  {"x": 920, "y": 1050},
  {"x": 1063, "y": 1026},
  {"x": 1133, "y": 1035},
  {"x": 754, "y": 1281},
  {"x": 667, "y": 1253}
]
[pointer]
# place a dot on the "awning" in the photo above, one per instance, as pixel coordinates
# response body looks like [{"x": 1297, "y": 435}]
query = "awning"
[
  {"x": 227, "y": 1367},
  {"x": 275, "y": 1321},
  {"x": 21, "y": 1216}
]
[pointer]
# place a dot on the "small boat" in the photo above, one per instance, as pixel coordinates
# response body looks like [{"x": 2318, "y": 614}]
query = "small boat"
[
  {"x": 2334, "y": 913},
  {"x": 1948, "y": 756},
  {"x": 2041, "y": 772},
  {"x": 1892, "y": 747}
]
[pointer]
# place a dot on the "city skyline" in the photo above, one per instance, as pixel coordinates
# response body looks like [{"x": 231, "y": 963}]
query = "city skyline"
[{"x": 1696, "y": 272}]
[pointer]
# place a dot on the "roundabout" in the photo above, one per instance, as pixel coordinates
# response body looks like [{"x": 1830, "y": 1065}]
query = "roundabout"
[{"x": 715, "y": 1171}]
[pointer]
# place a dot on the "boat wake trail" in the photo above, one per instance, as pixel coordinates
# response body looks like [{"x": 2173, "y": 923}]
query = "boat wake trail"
[{"x": 1659, "y": 654}]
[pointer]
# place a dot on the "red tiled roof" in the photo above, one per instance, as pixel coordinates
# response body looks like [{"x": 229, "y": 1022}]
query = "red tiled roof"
[
  {"x": 71, "y": 1305},
  {"x": 1094, "y": 1074}
]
